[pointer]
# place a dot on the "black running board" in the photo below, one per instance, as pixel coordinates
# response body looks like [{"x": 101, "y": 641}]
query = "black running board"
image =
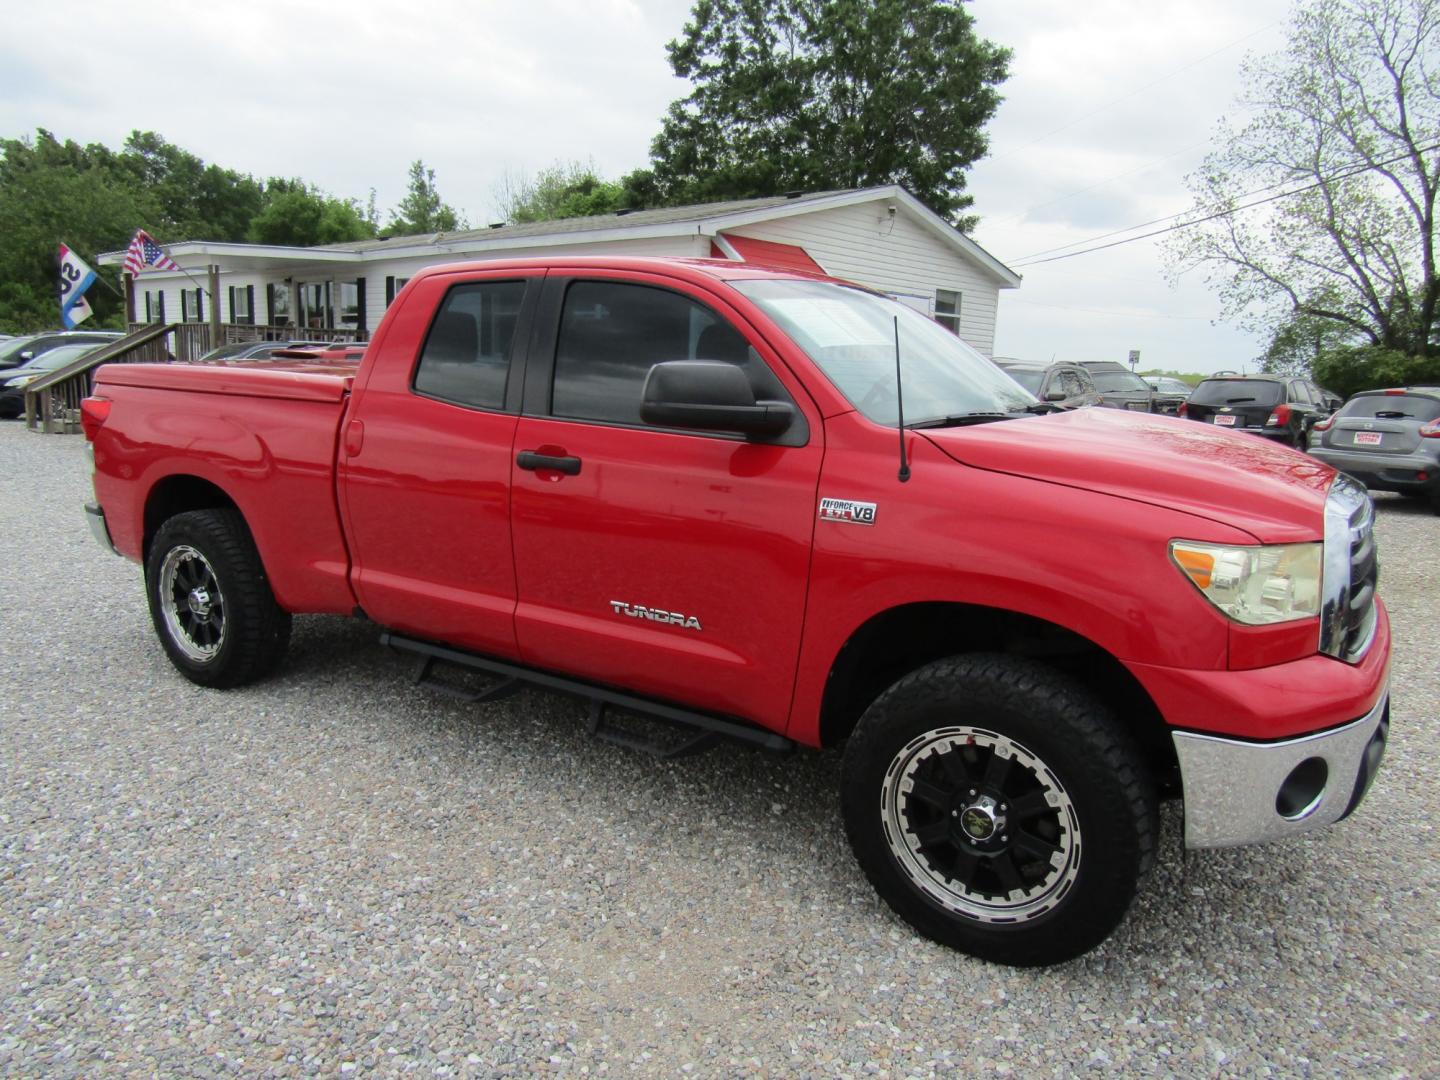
[{"x": 701, "y": 730}]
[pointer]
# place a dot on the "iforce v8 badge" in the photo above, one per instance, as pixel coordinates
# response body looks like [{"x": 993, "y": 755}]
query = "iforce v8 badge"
[{"x": 847, "y": 510}]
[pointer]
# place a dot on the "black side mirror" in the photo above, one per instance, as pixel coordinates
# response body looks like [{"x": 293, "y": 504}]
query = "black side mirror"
[
  {"x": 1056, "y": 395},
  {"x": 710, "y": 395}
]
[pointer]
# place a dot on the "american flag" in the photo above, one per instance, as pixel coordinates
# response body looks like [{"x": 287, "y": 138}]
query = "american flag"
[{"x": 143, "y": 252}]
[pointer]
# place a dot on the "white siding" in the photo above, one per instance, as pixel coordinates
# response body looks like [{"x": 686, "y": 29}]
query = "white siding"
[{"x": 862, "y": 243}]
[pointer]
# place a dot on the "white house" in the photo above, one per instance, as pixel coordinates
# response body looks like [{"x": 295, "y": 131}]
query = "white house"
[{"x": 882, "y": 237}]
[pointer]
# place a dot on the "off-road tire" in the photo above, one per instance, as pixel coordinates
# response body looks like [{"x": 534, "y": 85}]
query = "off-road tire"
[
  {"x": 1074, "y": 745},
  {"x": 252, "y": 631}
]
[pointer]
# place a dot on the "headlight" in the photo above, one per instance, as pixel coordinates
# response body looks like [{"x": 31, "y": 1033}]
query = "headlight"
[{"x": 1255, "y": 585}]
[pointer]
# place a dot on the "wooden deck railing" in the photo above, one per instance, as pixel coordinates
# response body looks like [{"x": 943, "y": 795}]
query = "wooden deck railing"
[
  {"x": 194, "y": 340},
  {"x": 52, "y": 401}
]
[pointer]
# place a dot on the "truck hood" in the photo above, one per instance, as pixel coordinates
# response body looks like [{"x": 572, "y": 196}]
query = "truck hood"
[{"x": 1275, "y": 494}]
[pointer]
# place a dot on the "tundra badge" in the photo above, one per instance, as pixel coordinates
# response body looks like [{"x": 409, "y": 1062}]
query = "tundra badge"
[{"x": 640, "y": 611}]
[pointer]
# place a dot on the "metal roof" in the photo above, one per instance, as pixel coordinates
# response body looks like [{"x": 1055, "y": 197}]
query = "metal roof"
[{"x": 624, "y": 219}]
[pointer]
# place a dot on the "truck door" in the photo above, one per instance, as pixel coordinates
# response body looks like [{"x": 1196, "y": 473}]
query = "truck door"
[
  {"x": 425, "y": 461},
  {"x": 671, "y": 562}
]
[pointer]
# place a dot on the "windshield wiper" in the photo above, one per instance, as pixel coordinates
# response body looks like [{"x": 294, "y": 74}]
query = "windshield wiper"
[
  {"x": 1237, "y": 400},
  {"x": 961, "y": 420},
  {"x": 1041, "y": 408}
]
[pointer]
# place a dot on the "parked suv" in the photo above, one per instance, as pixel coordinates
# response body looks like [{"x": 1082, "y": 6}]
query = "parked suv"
[
  {"x": 1389, "y": 440},
  {"x": 1120, "y": 388},
  {"x": 1066, "y": 385},
  {"x": 1277, "y": 407}
]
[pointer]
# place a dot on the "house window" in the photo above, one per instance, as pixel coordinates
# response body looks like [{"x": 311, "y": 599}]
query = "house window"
[
  {"x": 191, "y": 306},
  {"x": 155, "y": 306},
  {"x": 393, "y": 285},
  {"x": 349, "y": 303},
  {"x": 279, "y": 294},
  {"x": 947, "y": 310},
  {"x": 241, "y": 310}
]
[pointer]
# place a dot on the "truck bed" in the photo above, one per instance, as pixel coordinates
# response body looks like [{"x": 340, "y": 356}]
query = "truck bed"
[{"x": 265, "y": 433}]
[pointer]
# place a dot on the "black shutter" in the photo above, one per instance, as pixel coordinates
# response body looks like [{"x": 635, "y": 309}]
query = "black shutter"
[
  {"x": 232, "y": 304},
  {"x": 200, "y": 305},
  {"x": 389, "y": 289},
  {"x": 361, "y": 333},
  {"x": 147, "y": 306},
  {"x": 250, "y": 304},
  {"x": 270, "y": 303},
  {"x": 161, "y": 295}
]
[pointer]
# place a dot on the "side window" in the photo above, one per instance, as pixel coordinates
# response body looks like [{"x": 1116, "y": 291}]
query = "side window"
[
  {"x": 613, "y": 333},
  {"x": 947, "y": 310},
  {"x": 1071, "y": 384},
  {"x": 1301, "y": 393},
  {"x": 466, "y": 358}
]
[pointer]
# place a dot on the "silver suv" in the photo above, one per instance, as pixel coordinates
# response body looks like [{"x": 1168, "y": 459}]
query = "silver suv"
[{"x": 1389, "y": 440}]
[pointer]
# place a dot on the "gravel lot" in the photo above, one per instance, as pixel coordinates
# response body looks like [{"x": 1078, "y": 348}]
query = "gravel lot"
[{"x": 334, "y": 873}]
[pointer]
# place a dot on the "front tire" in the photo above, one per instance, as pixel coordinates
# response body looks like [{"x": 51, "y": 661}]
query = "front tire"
[
  {"x": 999, "y": 809},
  {"x": 211, "y": 602}
]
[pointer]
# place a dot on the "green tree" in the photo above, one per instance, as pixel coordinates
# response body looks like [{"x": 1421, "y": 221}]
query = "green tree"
[
  {"x": 560, "y": 191},
  {"x": 422, "y": 211},
  {"x": 822, "y": 94},
  {"x": 1345, "y": 132},
  {"x": 1348, "y": 370},
  {"x": 303, "y": 218},
  {"x": 51, "y": 192},
  {"x": 194, "y": 201},
  {"x": 1298, "y": 342}
]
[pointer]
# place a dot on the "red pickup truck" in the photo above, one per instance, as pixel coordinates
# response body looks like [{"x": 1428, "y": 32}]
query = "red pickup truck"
[{"x": 780, "y": 509}]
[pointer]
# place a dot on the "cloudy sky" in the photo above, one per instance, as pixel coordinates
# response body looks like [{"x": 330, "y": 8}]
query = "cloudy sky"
[{"x": 1109, "y": 104}]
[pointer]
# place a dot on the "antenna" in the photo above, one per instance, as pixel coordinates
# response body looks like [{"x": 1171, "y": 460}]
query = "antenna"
[{"x": 900, "y": 405}]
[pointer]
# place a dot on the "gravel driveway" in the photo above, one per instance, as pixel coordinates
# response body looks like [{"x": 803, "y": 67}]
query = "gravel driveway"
[{"x": 334, "y": 873}]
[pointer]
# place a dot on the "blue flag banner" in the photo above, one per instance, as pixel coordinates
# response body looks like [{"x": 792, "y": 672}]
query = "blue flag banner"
[{"x": 75, "y": 277}]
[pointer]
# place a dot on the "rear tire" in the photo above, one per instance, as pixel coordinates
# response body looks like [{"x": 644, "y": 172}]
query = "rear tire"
[
  {"x": 211, "y": 602},
  {"x": 999, "y": 809}
]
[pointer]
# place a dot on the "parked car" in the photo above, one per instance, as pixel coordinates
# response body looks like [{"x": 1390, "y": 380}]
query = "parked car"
[
  {"x": 1331, "y": 399},
  {"x": 1166, "y": 385},
  {"x": 1275, "y": 406},
  {"x": 1120, "y": 388},
  {"x": 1066, "y": 385},
  {"x": 256, "y": 350},
  {"x": 1389, "y": 440},
  {"x": 22, "y": 350},
  {"x": 14, "y": 381}
]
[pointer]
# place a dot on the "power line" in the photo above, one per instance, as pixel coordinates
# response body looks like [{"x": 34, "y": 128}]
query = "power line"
[
  {"x": 1032, "y": 260},
  {"x": 1099, "y": 183},
  {"x": 1110, "y": 313}
]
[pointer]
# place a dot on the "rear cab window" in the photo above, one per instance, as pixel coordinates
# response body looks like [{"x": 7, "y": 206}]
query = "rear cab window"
[{"x": 466, "y": 356}]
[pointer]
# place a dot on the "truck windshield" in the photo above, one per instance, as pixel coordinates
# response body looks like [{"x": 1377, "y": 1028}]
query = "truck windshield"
[{"x": 850, "y": 335}]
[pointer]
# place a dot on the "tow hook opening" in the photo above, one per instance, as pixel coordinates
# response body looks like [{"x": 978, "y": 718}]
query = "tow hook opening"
[{"x": 1302, "y": 790}]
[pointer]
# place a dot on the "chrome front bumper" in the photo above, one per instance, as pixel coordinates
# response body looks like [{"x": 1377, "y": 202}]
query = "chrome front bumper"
[
  {"x": 1248, "y": 793},
  {"x": 101, "y": 531}
]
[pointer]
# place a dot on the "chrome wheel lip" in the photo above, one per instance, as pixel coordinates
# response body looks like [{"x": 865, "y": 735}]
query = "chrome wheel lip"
[
  {"x": 176, "y": 599},
  {"x": 1020, "y": 905}
]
